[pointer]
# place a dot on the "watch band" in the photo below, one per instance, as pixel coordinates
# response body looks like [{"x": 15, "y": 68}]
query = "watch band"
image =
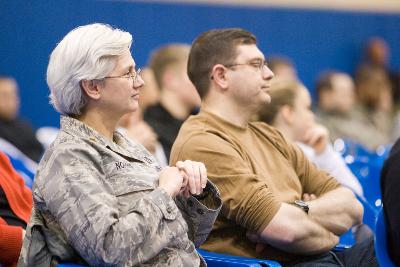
[{"x": 302, "y": 205}]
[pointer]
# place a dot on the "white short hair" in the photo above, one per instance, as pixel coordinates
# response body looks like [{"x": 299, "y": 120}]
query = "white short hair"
[{"x": 86, "y": 53}]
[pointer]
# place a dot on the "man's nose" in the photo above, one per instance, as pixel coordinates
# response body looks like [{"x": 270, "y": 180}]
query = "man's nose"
[{"x": 267, "y": 73}]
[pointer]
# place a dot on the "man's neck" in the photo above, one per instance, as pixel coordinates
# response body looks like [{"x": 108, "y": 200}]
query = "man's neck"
[
  {"x": 174, "y": 105},
  {"x": 228, "y": 111}
]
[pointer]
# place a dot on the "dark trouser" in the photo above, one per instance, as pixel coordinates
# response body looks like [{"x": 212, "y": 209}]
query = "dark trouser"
[{"x": 360, "y": 255}]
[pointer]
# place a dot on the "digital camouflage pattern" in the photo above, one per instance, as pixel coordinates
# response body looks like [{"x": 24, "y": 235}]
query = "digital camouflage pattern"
[{"x": 96, "y": 202}]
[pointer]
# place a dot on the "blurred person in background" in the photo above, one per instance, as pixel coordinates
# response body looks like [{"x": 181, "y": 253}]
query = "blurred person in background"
[
  {"x": 377, "y": 56},
  {"x": 282, "y": 67},
  {"x": 375, "y": 102},
  {"x": 13, "y": 129},
  {"x": 150, "y": 94},
  {"x": 336, "y": 109},
  {"x": 178, "y": 97},
  {"x": 15, "y": 209},
  {"x": 290, "y": 113},
  {"x": 99, "y": 198}
]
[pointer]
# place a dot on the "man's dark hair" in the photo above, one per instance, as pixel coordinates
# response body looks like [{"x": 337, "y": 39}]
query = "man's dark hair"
[
  {"x": 325, "y": 81},
  {"x": 276, "y": 61},
  {"x": 214, "y": 47}
]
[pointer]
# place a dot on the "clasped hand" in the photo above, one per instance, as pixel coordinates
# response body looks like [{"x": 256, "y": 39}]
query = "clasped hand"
[{"x": 187, "y": 177}]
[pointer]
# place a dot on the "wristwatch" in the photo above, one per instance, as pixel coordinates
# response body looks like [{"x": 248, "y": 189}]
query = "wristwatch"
[{"x": 302, "y": 205}]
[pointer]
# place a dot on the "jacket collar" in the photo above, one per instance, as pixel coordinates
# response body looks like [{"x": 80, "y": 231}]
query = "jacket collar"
[{"x": 120, "y": 145}]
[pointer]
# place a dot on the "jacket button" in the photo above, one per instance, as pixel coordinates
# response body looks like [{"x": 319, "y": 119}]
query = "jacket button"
[
  {"x": 169, "y": 209},
  {"x": 200, "y": 211}
]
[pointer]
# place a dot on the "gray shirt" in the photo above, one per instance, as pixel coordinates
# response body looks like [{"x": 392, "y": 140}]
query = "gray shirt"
[{"x": 98, "y": 202}]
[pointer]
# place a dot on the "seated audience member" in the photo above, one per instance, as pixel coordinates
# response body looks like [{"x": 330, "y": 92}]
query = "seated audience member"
[
  {"x": 290, "y": 113},
  {"x": 135, "y": 128},
  {"x": 337, "y": 111},
  {"x": 377, "y": 56},
  {"x": 15, "y": 209},
  {"x": 13, "y": 129},
  {"x": 178, "y": 97},
  {"x": 375, "y": 102},
  {"x": 99, "y": 199},
  {"x": 150, "y": 94},
  {"x": 282, "y": 68},
  {"x": 266, "y": 183},
  {"x": 390, "y": 184}
]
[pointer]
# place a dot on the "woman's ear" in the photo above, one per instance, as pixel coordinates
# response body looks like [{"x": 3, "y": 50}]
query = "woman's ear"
[
  {"x": 218, "y": 77},
  {"x": 91, "y": 88},
  {"x": 287, "y": 114}
]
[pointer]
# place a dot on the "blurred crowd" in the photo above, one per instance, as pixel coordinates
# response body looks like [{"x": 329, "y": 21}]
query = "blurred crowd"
[{"x": 362, "y": 107}]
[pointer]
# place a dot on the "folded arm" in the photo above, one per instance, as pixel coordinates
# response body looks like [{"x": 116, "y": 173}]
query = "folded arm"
[
  {"x": 292, "y": 230},
  {"x": 337, "y": 211}
]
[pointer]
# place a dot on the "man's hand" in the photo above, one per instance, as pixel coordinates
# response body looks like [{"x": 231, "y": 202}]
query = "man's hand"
[
  {"x": 317, "y": 137},
  {"x": 253, "y": 237},
  {"x": 309, "y": 197}
]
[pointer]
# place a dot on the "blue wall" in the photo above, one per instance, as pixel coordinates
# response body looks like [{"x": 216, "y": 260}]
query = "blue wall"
[{"x": 315, "y": 40}]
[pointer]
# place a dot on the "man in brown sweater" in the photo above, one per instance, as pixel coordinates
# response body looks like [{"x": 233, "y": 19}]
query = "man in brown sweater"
[{"x": 276, "y": 204}]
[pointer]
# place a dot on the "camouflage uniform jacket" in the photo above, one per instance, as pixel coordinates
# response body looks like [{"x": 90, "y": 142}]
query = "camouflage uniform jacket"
[{"x": 97, "y": 202}]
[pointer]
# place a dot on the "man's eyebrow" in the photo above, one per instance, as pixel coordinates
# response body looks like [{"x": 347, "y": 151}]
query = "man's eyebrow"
[{"x": 257, "y": 59}]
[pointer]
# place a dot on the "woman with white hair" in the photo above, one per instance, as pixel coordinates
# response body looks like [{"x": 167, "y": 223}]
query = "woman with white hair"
[{"x": 100, "y": 199}]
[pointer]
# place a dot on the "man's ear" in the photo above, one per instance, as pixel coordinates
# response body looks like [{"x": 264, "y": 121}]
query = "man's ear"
[
  {"x": 287, "y": 113},
  {"x": 167, "y": 78},
  {"x": 218, "y": 77},
  {"x": 91, "y": 89}
]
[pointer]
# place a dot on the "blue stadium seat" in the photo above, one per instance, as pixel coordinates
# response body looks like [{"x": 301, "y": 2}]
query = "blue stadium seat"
[
  {"x": 370, "y": 213},
  {"x": 217, "y": 259},
  {"x": 366, "y": 166},
  {"x": 368, "y": 173},
  {"x": 381, "y": 246}
]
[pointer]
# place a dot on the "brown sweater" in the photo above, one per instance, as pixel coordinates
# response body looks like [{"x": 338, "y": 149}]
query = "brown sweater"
[{"x": 256, "y": 170}]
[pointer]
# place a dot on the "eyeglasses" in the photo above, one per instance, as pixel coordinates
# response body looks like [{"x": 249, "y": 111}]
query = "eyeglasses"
[
  {"x": 260, "y": 65},
  {"x": 132, "y": 75}
]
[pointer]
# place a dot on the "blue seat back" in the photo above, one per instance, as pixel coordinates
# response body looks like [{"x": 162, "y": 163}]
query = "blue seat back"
[{"x": 217, "y": 259}]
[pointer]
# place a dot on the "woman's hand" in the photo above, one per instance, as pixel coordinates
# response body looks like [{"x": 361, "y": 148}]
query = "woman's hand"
[
  {"x": 171, "y": 180},
  {"x": 194, "y": 177}
]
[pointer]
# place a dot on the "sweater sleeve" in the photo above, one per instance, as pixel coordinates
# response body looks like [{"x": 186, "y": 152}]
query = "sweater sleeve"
[
  {"x": 10, "y": 242},
  {"x": 247, "y": 199},
  {"x": 313, "y": 180}
]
